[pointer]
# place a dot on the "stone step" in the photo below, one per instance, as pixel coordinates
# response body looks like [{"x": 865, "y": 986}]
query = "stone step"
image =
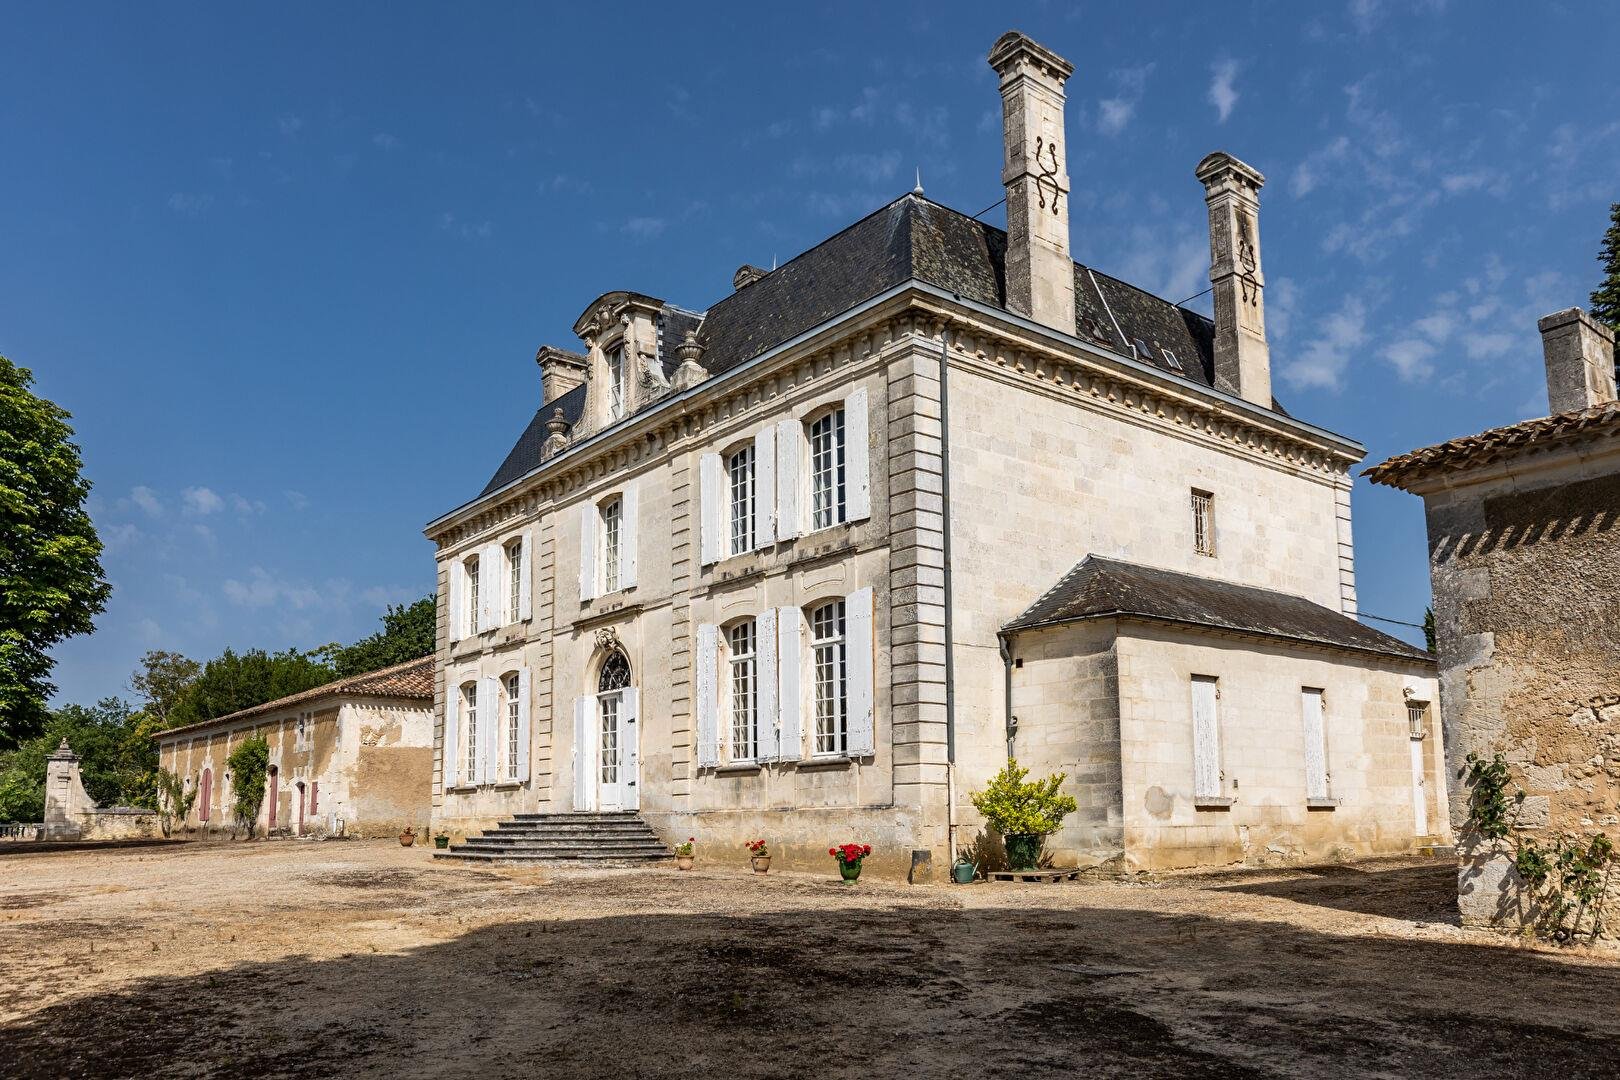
[
  {"x": 607, "y": 815},
  {"x": 497, "y": 843},
  {"x": 570, "y": 827},
  {"x": 524, "y": 857},
  {"x": 572, "y": 837}
]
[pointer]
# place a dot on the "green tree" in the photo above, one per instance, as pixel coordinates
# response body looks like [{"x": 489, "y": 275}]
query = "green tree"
[
  {"x": 116, "y": 759},
  {"x": 1606, "y": 297},
  {"x": 407, "y": 634},
  {"x": 1428, "y": 629},
  {"x": 162, "y": 680},
  {"x": 233, "y": 681},
  {"x": 249, "y": 764},
  {"x": 51, "y": 581}
]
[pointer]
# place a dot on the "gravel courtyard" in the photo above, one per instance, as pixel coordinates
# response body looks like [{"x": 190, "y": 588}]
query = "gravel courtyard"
[{"x": 367, "y": 959}]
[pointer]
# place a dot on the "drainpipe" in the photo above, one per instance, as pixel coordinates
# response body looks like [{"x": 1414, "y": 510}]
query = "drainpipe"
[
  {"x": 1010, "y": 721},
  {"x": 945, "y": 520}
]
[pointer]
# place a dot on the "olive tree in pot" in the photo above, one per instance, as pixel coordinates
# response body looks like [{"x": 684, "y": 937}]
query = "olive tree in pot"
[{"x": 1023, "y": 812}]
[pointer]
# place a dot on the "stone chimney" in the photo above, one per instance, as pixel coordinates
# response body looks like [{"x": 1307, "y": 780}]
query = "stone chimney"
[
  {"x": 1242, "y": 357},
  {"x": 560, "y": 372},
  {"x": 1579, "y": 352},
  {"x": 1040, "y": 270},
  {"x": 746, "y": 275}
]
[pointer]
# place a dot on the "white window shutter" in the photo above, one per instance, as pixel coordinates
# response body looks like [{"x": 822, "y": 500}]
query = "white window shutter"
[
  {"x": 450, "y": 755},
  {"x": 457, "y": 576},
  {"x": 1316, "y": 778},
  {"x": 523, "y": 725},
  {"x": 857, "y": 458},
  {"x": 708, "y": 704},
  {"x": 489, "y": 587},
  {"x": 789, "y": 434},
  {"x": 1206, "y": 738},
  {"x": 583, "y": 756},
  {"x": 526, "y": 577},
  {"x": 490, "y": 710},
  {"x": 587, "y": 552},
  {"x": 765, "y": 488},
  {"x": 790, "y": 646},
  {"x": 630, "y": 743},
  {"x": 629, "y": 530},
  {"x": 765, "y": 650},
  {"x": 711, "y": 508},
  {"x": 862, "y": 647}
]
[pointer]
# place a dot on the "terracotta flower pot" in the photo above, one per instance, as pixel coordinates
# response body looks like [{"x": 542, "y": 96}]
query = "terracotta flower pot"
[
  {"x": 761, "y": 864},
  {"x": 407, "y": 838},
  {"x": 684, "y": 862}
]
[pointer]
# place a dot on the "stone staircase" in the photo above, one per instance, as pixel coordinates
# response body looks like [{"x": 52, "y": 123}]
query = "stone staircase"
[{"x": 609, "y": 837}]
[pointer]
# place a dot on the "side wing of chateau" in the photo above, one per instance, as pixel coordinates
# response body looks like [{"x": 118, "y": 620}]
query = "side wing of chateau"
[{"x": 810, "y": 563}]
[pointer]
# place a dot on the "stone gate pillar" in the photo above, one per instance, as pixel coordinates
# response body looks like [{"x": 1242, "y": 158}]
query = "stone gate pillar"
[{"x": 65, "y": 797}]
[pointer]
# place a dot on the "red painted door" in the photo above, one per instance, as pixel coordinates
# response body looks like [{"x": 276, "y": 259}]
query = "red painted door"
[
  {"x": 300, "y": 809},
  {"x": 275, "y": 793},
  {"x": 314, "y": 794},
  {"x": 205, "y": 795}
]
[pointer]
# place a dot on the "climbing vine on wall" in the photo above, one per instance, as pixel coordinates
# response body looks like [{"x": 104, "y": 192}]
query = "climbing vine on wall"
[
  {"x": 248, "y": 764},
  {"x": 1564, "y": 881}
]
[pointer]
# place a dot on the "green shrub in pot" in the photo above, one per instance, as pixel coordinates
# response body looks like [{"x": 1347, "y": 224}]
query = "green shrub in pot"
[{"x": 1023, "y": 811}]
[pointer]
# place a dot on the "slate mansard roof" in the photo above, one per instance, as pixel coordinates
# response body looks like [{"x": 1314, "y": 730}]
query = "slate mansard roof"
[
  {"x": 1110, "y": 588},
  {"x": 412, "y": 679},
  {"x": 910, "y": 238},
  {"x": 1526, "y": 437}
]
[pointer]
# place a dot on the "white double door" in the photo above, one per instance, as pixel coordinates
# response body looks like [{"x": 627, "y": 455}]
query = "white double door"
[{"x": 607, "y": 751}]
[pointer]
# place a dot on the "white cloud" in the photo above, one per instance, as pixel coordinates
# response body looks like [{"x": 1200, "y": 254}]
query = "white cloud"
[
  {"x": 118, "y": 537},
  {"x": 288, "y": 124},
  {"x": 465, "y": 230},
  {"x": 243, "y": 505},
  {"x": 1309, "y": 174},
  {"x": 644, "y": 228},
  {"x": 262, "y": 589},
  {"x": 145, "y": 498},
  {"x": 189, "y": 203},
  {"x": 1222, "y": 94},
  {"x": 1365, "y": 14},
  {"x": 1114, "y": 115},
  {"x": 384, "y": 141},
  {"x": 297, "y": 499},
  {"x": 1321, "y": 365},
  {"x": 201, "y": 500},
  {"x": 1282, "y": 302},
  {"x": 1410, "y": 358}
]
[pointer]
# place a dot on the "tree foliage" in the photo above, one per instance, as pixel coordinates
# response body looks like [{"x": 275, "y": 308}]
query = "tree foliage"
[
  {"x": 1429, "y": 637},
  {"x": 249, "y": 764},
  {"x": 407, "y": 634},
  {"x": 1011, "y": 805},
  {"x": 234, "y": 681},
  {"x": 116, "y": 752},
  {"x": 162, "y": 681},
  {"x": 174, "y": 801},
  {"x": 1606, "y": 297},
  {"x": 51, "y": 581}
]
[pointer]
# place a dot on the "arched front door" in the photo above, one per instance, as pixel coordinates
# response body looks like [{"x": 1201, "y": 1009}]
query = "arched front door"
[{"x": 607, "y": 747}]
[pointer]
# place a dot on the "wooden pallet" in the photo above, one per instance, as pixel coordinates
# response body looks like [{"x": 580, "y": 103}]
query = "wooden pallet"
[{"x": 1071, "y": 874}]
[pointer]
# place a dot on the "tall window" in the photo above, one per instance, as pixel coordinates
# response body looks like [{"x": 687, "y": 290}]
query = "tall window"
[
  {"x": 744, "y": 691},
  {"x": 469, "y": 699},
  {"x": 832, "y": 681},
  {"x": 827, "y": 470},
  {"x": 615, "y": 362},
  {"x": 472, "y": 595},
  {"x": 740, "y": 473},
  {"x": 610, "y": 694},
  {"x": 511, "y": 682},
  {"x": 514, "y": 569},
  {"x": 1203, "y": 515},
  {"x": 612, "y": 522}
]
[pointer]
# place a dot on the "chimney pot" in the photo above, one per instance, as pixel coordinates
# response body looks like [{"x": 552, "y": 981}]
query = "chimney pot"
[
  {"x": 560, "y": 372},
  {"x": 1579, "y": 353},
  {"x": 1242, "y": 356}
]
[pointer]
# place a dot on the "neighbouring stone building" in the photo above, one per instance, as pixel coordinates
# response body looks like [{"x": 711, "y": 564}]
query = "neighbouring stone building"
[
  {"x": 1524, "y": 555},
  {"x": 353, "y": 757},
  {"x": 806, "y": 565}
]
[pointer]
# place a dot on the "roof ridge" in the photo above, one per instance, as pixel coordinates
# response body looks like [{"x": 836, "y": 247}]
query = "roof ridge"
[{"x": 345, "y": 685}]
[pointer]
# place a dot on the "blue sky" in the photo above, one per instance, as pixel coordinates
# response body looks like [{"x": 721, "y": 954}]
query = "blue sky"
[{"x": 288, "y": 265}]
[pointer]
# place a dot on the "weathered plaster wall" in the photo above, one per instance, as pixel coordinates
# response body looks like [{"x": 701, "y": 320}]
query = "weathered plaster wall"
[{"x": 1525, "y": 562}]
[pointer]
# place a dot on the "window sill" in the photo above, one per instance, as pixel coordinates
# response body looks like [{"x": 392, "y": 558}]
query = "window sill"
[
  {"x": 738, "y": 768},
  {"x": 1321, "y": 804},
  {"x": 1212, "y": 802},
  {"x": 827, "y": 761}
]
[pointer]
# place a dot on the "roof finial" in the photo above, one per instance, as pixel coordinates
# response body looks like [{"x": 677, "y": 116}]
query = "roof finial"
[{"x": 918, "y": 189}]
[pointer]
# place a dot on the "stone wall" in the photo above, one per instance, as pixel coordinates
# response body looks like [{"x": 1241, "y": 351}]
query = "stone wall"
[{"x": 1526, "y": 567}]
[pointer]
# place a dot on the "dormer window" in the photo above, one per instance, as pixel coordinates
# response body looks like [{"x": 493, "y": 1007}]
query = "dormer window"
[{"x": 615, "y": 367}]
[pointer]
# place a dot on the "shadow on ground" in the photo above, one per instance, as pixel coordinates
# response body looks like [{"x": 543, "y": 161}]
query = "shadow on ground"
[
  {"x": 1425, "y": 894},
  {"x": 805, "y": 992}
]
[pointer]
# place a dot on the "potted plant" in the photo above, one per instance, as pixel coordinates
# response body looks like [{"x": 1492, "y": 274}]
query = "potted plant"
[
  {"x": 963, "y": 870},
  {"x": 759, "y": 856},
  {"x": 850, "y": 857},
  {"x": 683, "y": 854},
  {"x": 407, "y": 837},
  {"x": 441, "y": 840},
  {"x": 1023, "y": 812}
]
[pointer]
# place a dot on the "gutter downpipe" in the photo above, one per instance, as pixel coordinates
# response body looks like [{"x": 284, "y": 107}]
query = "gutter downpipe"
[
  {"x": 1010, "y": 722},
  {"x": 945, "y": 520}
]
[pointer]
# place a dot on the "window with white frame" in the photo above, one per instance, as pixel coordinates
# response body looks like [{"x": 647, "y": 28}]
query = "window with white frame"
[
  {"x": 1203, "y": 520},
  {"x": 1417, "y": 718},
  {"x": 612, "y": 532},
  {"x": 471, "y": 566},
  {"x": 469, "y": 705},
  {"x": 827, "y": 481},
  {"x": 514, "y": 573},
  {"x": 740, "y": 482},
  {"x": 615, "y": 363},
  {"x": 742, "y": 643},
  {"x": 511, "y": 686},
  {"x": 827, "y": 647}
]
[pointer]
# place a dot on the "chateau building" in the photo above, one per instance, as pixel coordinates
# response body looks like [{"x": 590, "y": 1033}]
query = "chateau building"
[
  {"x": 810, "y": 563},
  {"x": 351, "y": 757}
]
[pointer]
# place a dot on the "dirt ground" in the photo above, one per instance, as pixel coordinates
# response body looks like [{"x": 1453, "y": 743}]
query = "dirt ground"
[{"x": 367, "y": 959}]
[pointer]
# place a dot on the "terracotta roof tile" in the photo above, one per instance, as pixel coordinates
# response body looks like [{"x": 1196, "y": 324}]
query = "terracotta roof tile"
[
  {"x": 1470, "y": 451},
  {"x": 412, "y": 679}
]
